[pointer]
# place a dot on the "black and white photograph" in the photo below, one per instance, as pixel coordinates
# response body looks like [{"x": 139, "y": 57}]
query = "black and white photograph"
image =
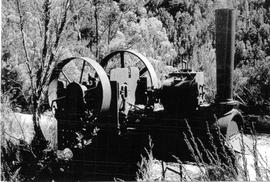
[{"x": 135, "y": 90}]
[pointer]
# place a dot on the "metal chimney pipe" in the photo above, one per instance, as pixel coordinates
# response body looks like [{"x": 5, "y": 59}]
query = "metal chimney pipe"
[{"x": 225, "y": 48}]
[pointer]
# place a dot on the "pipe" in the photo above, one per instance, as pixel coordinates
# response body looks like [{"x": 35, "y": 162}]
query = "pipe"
[{"x": 225, "y": 48}]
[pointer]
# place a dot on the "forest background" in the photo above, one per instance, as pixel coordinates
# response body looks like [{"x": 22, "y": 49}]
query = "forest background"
[{"x": 37, "y": 34}]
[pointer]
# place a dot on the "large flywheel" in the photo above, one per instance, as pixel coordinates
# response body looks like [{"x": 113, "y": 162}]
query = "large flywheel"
[
  {"x": 132, "y": 58},
  {"x": 79, "y": 87},
  {"x": 136, "y": 78}
]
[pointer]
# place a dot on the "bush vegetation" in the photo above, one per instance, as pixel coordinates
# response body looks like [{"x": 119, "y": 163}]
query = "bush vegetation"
[{"x": 27, "y": 156}]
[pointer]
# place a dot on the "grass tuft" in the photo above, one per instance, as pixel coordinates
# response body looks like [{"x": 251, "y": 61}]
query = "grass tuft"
[{"x": 144, "y": 172}]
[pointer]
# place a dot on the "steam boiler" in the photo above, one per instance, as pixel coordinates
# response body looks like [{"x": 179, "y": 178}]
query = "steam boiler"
[{"x": 106, "y": 113}]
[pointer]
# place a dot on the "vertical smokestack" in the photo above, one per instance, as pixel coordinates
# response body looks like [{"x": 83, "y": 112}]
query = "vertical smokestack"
[{"x": 225, "y": 46}]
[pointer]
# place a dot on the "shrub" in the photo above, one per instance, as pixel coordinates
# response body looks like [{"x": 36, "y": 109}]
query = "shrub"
[
  {"x": 24, "y": 160},
  {"x": 252, "y": 85}
]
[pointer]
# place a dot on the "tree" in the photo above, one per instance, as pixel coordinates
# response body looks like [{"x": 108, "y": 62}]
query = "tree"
[
  {"x": 252, "y": 56},
  {"x": 40, "y": 33},
  {"x": 33, "y": 35}
]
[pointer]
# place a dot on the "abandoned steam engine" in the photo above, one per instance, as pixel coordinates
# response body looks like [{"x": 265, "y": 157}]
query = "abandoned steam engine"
[{"x": 123, "y": 97}]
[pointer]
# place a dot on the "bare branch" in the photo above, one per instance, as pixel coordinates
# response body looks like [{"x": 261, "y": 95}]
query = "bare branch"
[
  {"x": 118, "y": 25},
  {"x": 46, "y": 14},
  {"x": 24, "y": 44},
  {"x": 46, "y": 18},
  {"x": 37, "y": 8},
  {"x": 97, "y": 34},
  {"x": 62, "y": 24},
  {"x": 47, "y": 68},
  {"x": 21, "y": 29}
]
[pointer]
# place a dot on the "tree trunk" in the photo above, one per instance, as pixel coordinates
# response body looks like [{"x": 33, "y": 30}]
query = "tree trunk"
[{"x": 39, "y": 142}]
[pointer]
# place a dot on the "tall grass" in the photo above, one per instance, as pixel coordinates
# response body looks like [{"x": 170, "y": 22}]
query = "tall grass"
[
  {"x": 217, "y": 162},
  {"x": 145, "y": 165}
]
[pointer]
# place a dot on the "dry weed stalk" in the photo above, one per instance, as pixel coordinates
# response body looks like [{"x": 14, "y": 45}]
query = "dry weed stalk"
[{"x": 144, "y": 172}]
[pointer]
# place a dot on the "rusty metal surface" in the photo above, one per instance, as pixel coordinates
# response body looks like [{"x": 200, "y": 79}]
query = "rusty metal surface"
[
  {"x": 146, "y": 62},
  {"x": 105, "y": 83}
]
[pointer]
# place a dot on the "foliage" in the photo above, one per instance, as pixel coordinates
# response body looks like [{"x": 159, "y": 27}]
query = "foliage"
[
  {"x": 167, "y": 31},
  {"x": 19, "y": 162},
  {"x": 144, "y": 167},
  {"x": 23, "y": 160},
  {"x": 11, "y": 85},
  {"x": 253, "y": 85},
  {"x": 252, "y": 57},
  {"x": 32, "y": 31},
  {"x": 190, "y": 27}
]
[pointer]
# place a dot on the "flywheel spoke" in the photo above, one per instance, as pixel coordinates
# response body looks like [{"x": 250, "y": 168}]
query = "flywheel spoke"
[{"x": 81, "y": 76}]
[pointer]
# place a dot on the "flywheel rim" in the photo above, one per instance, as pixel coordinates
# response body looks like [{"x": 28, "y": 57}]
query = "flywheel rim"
[
  {"x": 105, "y": 83},
  {"x": 149, "y": 67}
]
